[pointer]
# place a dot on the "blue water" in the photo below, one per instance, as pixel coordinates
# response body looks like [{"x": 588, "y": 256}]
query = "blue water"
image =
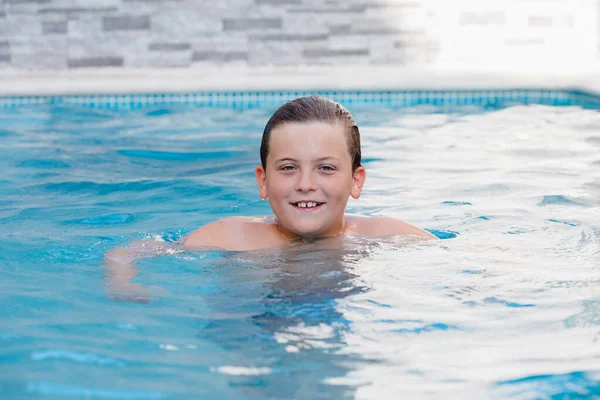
[{"x": 506, "y": 306}]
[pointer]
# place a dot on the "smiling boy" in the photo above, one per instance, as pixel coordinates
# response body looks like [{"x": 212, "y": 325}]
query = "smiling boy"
[{"x": 310, "y": 166}]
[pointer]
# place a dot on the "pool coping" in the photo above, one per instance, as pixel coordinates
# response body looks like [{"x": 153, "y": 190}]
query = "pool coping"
[{"x": 145, "y": 81}]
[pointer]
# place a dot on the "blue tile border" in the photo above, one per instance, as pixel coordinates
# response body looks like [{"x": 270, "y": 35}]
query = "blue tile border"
[{"x": 263, "y": 99}]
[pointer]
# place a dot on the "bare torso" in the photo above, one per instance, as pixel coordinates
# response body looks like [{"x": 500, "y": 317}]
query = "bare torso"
[{"x": 254, "y": 233}]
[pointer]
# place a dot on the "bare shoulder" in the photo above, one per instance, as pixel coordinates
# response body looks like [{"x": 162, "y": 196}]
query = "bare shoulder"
[
  {"x": 231, "y": 233},
  {"x": 385, "y": 226}
]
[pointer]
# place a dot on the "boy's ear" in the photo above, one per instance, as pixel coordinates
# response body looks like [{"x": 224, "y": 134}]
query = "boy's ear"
[
  {"x": 358, "y": 180},
  {"x": 261, "y": 180}
]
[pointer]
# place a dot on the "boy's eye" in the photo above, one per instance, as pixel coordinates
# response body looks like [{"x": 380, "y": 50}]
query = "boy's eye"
[
  {"x": 327, "y": 168},
  {"x": 287, "y": 168}
]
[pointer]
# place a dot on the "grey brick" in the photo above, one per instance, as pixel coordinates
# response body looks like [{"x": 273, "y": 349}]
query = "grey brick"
[
  {"x": 289, "y": 37},
  {"x": 219, "y": 56},
  {"x": 386, "y": 4},
  {"x": 377, "y": 26},
  {"x": 20, "y": 26},
  {"x": 378, "y": 31},
  {"x": 339, "y": 29},
  {"x": 54, "y": 27},
  {"x": 181, "y": 25},
  {"x": 319, "y": 53},
  {"x": 161, "y": 59},
  {"x": 356, "y": 8},
  {"x": 278, "y": 2},
  {"x": 424, "y": 46},
  {"x": 40, "y": 52},
  {"x": 27, "y": 1},
  {"x": 126, "y": 23},
  {"x": 76, "y": 10},
  {"x": 169, "y": 46},
  {"x": 5, "y": 58},
  {"x": 246, "y": 24},
  {"x": 95, "y": 62}
]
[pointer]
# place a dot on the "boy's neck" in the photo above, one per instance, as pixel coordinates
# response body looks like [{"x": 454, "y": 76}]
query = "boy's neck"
[{"x": 290, "y": 236}]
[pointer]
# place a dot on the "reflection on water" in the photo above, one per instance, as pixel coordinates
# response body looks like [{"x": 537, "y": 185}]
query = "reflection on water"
[{"x": 294, "y": 333}]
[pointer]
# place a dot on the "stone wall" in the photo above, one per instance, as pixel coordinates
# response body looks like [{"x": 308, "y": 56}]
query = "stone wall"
[{"x": 60, "y": 34}]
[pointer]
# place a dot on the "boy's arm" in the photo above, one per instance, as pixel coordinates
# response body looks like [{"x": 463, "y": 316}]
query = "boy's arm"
[
  {"x": 121, "y": 268},
  {"x": 120, "y": 262},
  {"x": 385, "y": 226},
  {"x": 222, "y": 234}
]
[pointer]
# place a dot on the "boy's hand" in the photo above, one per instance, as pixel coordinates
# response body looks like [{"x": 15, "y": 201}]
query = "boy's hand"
[
  {"x": 120, "y": 267},
  {"x": 128, "y": 292}
]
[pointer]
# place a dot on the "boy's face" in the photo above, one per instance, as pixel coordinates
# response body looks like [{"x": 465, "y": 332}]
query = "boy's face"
[{"x": 309, "y": 178}]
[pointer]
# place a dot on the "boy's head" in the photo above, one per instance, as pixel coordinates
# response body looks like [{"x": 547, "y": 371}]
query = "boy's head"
[
  {"x": 314, "y": 109},
  {"x": 310, "y": 166}
]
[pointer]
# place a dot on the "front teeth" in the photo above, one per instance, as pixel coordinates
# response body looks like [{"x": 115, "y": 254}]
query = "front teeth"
[{"x": 309, "y": 204}]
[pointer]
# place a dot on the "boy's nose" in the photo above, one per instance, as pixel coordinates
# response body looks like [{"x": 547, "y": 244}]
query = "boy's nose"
[{"x": 306, "y": 182}]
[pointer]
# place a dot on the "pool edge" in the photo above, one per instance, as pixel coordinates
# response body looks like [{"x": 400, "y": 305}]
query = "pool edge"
[{"x": 145, "y": 81}]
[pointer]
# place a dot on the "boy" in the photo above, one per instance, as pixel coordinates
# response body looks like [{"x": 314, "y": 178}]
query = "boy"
[{"x": 310, "y": 166}]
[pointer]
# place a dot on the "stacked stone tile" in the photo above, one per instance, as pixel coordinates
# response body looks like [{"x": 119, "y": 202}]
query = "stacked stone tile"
[{"x": 59, "y": 34}]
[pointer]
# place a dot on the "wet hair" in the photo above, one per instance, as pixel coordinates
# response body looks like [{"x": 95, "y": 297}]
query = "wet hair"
[{"x": 313, "y": 109}]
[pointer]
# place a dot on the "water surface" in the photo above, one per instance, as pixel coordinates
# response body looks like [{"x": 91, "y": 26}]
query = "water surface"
[{"x": 507, "y": 306}]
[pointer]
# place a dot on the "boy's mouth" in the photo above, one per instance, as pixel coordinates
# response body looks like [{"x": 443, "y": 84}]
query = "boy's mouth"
[{"x": 307, "y": 205}]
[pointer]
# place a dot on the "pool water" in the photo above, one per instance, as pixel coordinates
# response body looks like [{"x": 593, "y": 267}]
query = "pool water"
[{"x": 506, "y": 306}]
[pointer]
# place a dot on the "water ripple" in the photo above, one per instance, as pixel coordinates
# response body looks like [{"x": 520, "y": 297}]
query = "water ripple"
[
  {"x": 440, "y": 234},
  {"x": 111, "y": 219},
  {"x": 7, "y": 133},
  {"x": 43, "y": 164},
  {"x": 78, "y": 357},
  {"x": 102, "y": 188},
  {"x": 561, "y": 200},
  {"x": 436, "y": 326},
  {"x": 589, "y": 317},
  {"x": 511, "y": 304},
  {"x": 574, "y": 385},
  {"x": 52, "y": 389},
  {"x": 456, "y": 203},
  {"x": 179, "y": 156}
]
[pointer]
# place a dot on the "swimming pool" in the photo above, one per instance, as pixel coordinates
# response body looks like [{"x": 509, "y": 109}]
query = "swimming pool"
[{"x": 507, "y": 307}]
